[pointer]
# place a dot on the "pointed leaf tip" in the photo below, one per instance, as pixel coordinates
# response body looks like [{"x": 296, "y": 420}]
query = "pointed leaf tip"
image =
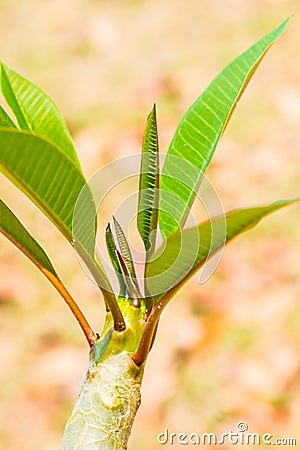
[
  {"x": 36, "y": 112},
  {"x": 183, "y": 253},
  {"x": 200, "y": 130}
]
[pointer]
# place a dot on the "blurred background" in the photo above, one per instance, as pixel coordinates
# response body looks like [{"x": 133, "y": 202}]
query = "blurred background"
[{"x": 227, "y": 351}]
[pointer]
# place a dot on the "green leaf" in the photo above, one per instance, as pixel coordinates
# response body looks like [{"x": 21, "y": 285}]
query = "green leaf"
[
  {"x": 36, "y": 112},
  {"x": 50, "y": 179},
  {"x": 185, "y": 251},
  {"x": 43, "y": 172},
  {"x": 12, "y": 228},
  {"x": 199, "y": 132},
  {"x": 149, "y": 184},
  {"x": 5, "y": 120},
  {"x": 42, "y": 161},
  {"x": 112, "y": 252}
]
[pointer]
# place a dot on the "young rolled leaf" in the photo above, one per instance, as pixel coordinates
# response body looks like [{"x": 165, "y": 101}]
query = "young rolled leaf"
[
  {"x": 199, "y": 131},
  {"x": 126, "y": 256},
  {"x": 149, "y": 184},
  {"x": 12, "y": 228},
  {"x": 183, "y": 254},
  {"x": 127, "y": 286},
  {"x": 36, "y": 112},
  {"x": 112, "y": 252},
  {"x": 133, "y": 292}
]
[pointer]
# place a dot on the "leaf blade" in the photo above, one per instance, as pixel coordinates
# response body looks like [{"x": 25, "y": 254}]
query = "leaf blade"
[
  {"x": 12, "y": 228},
  {"x": 43, "y": 173},
  {"x": 199, "y": 131},
  {"x": 36, "y": 112},
  {"x": 48, "y": 177},
  {"x": 165, "y": 284}
]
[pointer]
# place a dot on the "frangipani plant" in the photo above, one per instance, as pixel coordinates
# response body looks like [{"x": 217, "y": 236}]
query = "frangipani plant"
[{"x": 37, "y": 154}]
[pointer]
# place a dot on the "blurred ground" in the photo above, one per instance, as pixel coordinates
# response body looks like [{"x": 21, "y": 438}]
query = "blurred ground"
[{"x": 227, "y": 351}]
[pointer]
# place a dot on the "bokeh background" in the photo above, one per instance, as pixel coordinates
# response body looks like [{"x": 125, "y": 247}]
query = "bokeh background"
[{"x": 227, "y": 351}]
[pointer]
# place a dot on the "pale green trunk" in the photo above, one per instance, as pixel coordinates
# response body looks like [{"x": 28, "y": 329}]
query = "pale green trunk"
[
  {"x": 109, "y": 397},
  {"x": 106, "y": 407}
]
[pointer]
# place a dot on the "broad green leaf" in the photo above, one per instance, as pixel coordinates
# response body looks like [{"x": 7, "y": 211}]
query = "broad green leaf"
[
  {"x": 149, "y": 184},
  {"x": 5, "y": 120},
  {"x": 12, "y": 228},
  {"x": 50, "y": 179},
  {"x": 199, "y": 132},
  {"x": 186, "y": 250},
  {"x": 36, "y": 112},
  {"x": 112, "y": 252},
  {"x": 44, "y": 173}
]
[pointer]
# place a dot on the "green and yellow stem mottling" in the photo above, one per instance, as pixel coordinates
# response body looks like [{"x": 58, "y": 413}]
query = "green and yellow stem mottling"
[{"x": 110, "y": 396}]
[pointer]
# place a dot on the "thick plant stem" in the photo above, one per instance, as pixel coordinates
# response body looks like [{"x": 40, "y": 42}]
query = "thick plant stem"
[
  {"x": 106, "y": 407},
  {"x": 109, "y": 398}
]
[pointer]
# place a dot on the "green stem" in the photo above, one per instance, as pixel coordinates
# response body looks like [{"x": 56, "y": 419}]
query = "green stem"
[
  {"x": 106, "y": 407},
  {"x": 110, "y": 396}
]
